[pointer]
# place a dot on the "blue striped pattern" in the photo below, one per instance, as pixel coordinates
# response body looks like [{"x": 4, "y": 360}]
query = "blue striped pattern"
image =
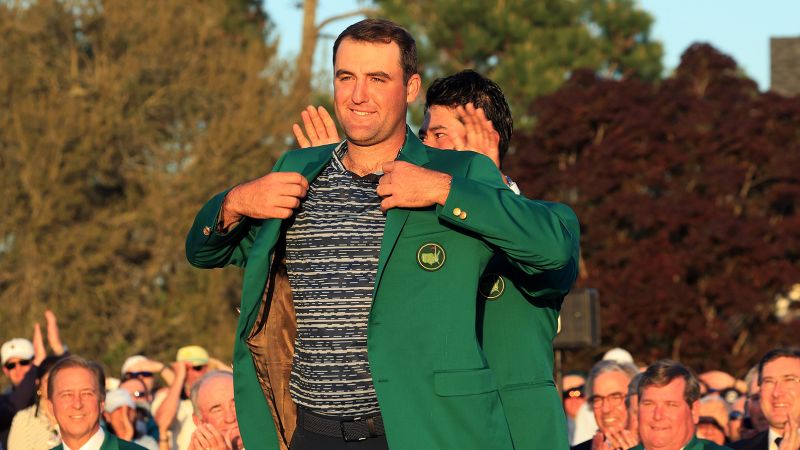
[{"x": 332, "y": 257}]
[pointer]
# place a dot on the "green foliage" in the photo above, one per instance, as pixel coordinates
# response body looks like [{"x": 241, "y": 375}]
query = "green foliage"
[
  {"x": 529, "y": 47},
  {"x": 116, "y": 123}
]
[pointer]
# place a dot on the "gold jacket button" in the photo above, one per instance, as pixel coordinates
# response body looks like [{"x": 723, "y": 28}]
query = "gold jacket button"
[
  {"x": 457, "y": 212},
  {"x": 463, "y": 215},
  {"x": 207, "y": 230}
]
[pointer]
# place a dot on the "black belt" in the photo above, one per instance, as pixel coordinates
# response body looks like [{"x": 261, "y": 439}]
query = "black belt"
[{"x": 348, "y": 428}]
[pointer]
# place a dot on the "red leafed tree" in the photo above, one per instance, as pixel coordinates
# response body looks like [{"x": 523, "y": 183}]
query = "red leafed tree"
[{"x": 686, "y": 192}]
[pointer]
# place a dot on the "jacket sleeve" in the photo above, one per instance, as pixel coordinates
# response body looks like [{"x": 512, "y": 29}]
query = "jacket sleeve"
[
  {"x": 207, "y": 248},
  {"x": 540, "y": 238}
]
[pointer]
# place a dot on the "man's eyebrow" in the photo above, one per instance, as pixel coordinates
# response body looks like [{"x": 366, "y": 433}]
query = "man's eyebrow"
[
  {"x": 437, "y": 127},
  {"x": 380, "y": 74},
  {"x": 341, "y": 72}
]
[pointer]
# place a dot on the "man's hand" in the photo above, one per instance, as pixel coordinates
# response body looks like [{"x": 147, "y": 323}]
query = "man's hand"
[
  {"x": 319, "y": 127},
  {"x": 791, "y": 438},
  {"x": 53, "y": 336},
  {"x": 208, "y": 437},
  {"x": 621, "y": 439},
  {"x": 480, "y": 133},
  {"x": 273, "y": 196},
  {"x": 39, "y": 352},
  {"x": 405, "y": 185}
]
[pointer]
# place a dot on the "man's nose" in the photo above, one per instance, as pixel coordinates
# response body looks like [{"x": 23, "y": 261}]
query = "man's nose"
[
  {"x": 230, "y": 415},
  {"x": 360, "y": 91}
]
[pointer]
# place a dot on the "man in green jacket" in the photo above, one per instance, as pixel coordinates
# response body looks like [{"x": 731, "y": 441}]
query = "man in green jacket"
[
  {"x": 424, "y": 381},
  {"x": 75, "y": 397},
  {"x": 669, "y": 396},
  {"x": 467, "y": 111}
]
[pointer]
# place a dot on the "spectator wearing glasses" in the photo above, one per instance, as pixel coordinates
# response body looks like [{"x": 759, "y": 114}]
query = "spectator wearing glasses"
[
  {"x": 120, "y": 417},
  {"x": 172, "y": 407},
  {"x": 145, "y": 369},
  {"x": 754, "y": 421},
  {"x": 34, "y": 428},
  {"x": 145, "y": 423},
  {"x": 607, "y": 389},
  {"x": 779, "y": 383},
  {"x": 21, "y": 359},
  {"x": 714, "y": 420},
  {"x": 572, "y": 391}
]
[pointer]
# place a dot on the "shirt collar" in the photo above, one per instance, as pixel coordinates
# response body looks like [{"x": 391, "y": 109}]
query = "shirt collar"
[{"x": 94, "y": 442}]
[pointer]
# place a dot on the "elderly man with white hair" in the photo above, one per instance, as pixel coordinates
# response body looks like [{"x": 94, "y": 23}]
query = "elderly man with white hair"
[{"x": 215, "y": 413}]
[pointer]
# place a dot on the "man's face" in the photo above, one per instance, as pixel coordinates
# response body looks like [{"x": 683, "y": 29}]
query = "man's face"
[
  {"x": 370, "y": 96},
  {"x": 608, "y": 400},
  {"x": 666, "y": 421},
  {"x": 780, "y": 389},
  {"x": 193, "y": 373},
  {"x": 216, "y": 406},
  {"x": 76, "y": 404},
  {"x": 137, "y": 389},
  {"x": 441, "y": 128},
  {"x": 16, "y": 368}
]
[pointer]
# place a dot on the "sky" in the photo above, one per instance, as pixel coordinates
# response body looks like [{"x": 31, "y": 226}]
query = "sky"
[{"x": 739, "y": 28}]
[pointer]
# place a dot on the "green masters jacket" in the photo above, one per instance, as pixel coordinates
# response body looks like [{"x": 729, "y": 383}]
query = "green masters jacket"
[
  {"x": 111, "y": 442},
  {"x": 695, "y": 444},
  {"x": 434, "y": 385},
  {"x": 520, "y": 320}
]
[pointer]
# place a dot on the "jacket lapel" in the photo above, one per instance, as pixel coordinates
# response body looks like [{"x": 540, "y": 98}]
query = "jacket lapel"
[{"x": 414, "y": 152}]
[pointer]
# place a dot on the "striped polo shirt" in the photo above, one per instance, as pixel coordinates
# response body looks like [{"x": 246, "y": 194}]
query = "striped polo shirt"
[{"x": 332, "y": 251}]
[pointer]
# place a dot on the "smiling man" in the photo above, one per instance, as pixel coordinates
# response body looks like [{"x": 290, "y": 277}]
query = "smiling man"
[
  {"x": 668, "y": 409},
  {"x": 607, "y": 389},
  {"x": 215, "y": 413},
  {"x": 779, "y": 384},
  {"x": 369, "y": 340},
  {"x": 75, "y": 399}
]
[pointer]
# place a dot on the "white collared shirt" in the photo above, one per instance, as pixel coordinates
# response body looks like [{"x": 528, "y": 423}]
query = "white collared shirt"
[
  {"x": 771, "y": 436},
  {"x": 94, "y": 442}
]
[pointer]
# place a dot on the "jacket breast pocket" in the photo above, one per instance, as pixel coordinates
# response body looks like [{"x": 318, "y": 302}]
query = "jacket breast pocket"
[{"x": 449, "y": 383}]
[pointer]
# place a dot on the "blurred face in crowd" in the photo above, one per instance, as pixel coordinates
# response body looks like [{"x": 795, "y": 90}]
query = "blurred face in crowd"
[
  {"x": 148, "y": 378},
  {"x": 756, "y": 415},
  {"x": 76, "y": 404},
  {"x": 16, "y": 368},
  {"x": 137, "y": 389},
  {"x": 608, "y": 400},
  {"x": 780, "y": 389},
  {"x": 633, "y": 413},
  {"x": 736, "y": 417},
  {"x": 193, "y": 373},
  {"x": 216, "y": 407},
  {"x": 666, "y": 421},
  {"x": 370, "y": 95},
  {"x": 573, "y": 398},
  {"x": 714, "y": 416}
]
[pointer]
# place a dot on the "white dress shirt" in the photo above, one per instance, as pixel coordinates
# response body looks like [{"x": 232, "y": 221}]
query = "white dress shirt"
[{"x": 94, "y": 442}]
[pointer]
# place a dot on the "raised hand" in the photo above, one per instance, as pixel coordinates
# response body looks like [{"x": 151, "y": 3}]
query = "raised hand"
[
  {"x": 273, "y": 196},
  {"x": 39, "y": 352},
  {"x": 53, "y": 336},
  {"x": 621, "y": 438},
  {"x": 791, "y": 437},
  {"x": 480, "y": 133},
  {"x": 319, "y": 128},
  {"x": 406, "y": 185}
]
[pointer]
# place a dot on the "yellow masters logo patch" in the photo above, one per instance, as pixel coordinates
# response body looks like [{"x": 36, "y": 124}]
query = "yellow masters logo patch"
[
  {"x": 431, "y": 256},
  {"x": 491, "y": 286}
]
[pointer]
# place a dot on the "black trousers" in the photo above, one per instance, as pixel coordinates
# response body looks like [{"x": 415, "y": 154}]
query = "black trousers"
[{"x": 308, "y": 440}]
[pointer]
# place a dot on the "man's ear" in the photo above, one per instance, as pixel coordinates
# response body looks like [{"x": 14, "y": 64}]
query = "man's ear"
[
  {"x": 696, "y": 412},
  {"x": 196, "y": 420},
  {"x": 413, "y": 87}
]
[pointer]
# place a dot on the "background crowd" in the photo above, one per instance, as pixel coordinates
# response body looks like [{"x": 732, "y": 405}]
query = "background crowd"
[{"x": 163, "y": 405}]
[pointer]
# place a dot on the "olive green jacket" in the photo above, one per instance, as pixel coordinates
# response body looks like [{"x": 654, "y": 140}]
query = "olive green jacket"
[{"x": 434, "y": 386}]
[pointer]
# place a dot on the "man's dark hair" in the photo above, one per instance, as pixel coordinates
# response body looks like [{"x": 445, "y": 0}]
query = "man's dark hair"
[
  {"x": 469, "y": 86},
  {"x": 382, "y": 31},
  {"x": 662, "y": 372},
  {"x": 775, "y": 354},
  {"x": 71, "y": 362}
]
